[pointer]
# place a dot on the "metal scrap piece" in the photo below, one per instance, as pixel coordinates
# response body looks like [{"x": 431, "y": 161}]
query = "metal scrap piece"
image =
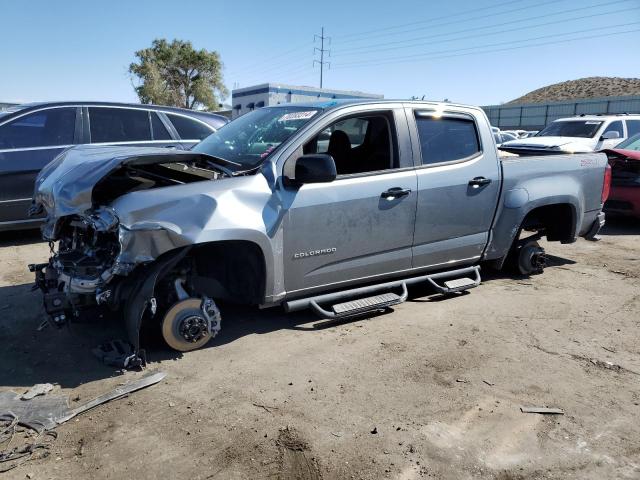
[
  {"x": 117, "y": 392},
  {"x": 46, "y": 412},
  {"x": 543, "y": 410}
]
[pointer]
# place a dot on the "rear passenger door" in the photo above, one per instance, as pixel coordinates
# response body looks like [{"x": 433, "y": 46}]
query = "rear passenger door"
[
  {"x": 458, "y": 187},
  {"x": 127, "y": 126},
  {"x": 27, "y": 144}
]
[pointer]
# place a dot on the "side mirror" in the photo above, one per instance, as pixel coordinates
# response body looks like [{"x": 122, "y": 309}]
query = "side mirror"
[
  {"x": 610, "y": 135},
  {"x": 311, "y": 168}
]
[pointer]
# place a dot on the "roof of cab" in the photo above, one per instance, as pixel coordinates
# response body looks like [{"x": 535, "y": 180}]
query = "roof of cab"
[{"x": 331, "y": 104}]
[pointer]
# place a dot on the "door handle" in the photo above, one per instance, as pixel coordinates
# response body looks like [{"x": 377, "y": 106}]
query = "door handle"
[
  {"x": 395, "y": 192},
  {"x": 479, "y": 182}
]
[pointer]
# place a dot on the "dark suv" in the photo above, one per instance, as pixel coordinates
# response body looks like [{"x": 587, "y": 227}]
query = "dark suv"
[{"x": 31, "y": 135}]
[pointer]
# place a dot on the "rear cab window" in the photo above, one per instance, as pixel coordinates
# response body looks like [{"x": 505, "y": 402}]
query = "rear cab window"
[
  {"x": 115, "y": 125},
  {"x": 447, "y": 138}
]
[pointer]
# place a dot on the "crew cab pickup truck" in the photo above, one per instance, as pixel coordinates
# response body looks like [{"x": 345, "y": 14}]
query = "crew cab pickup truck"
[{"x": 337, "y": 207}]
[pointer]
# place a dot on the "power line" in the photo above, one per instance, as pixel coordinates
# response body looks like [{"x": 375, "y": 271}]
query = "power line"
[
  {"x": 322, "y": 50},
  {"x": 377, "y": 35},
  {"x": 436, "y": 55},
  {"x": 497, "y": 32},
  {"x": 373, "y": 47},
  {"x": 377, "y": 30},
  {"x": 256, "y": 65}
]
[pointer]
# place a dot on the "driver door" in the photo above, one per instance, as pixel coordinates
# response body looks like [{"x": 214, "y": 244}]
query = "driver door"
[{"x": 360, "y": 226}]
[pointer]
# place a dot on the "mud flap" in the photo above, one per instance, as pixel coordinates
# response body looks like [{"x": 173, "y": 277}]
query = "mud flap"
[{"x": 140, "y": 297}]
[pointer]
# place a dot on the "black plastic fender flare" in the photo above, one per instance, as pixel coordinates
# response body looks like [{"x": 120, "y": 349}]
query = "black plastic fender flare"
[{"x": 139, "y": 298}]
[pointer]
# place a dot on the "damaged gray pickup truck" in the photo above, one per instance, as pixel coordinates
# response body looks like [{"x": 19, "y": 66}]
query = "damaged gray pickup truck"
[{"x": 336, "y": 207}]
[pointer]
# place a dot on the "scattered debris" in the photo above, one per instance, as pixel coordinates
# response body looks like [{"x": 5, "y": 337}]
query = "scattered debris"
[
  {"x": 337, "y": 434},
  {"x": 374, "y": 431},
  {"x": 488, "y": 383},
  {"x": 267, "y": 408},
  {"x": 37, "y": 389},
  {"x": 117, "y": 392},
  {"x": 542, "y": 410},
  {"x": 461, "y": 380},
  {"x": 604, "y": 365},
  {"x": 608, "y": 349},
  {"x": 120, "y": 354},
  {"x": 37, "y": 444},
  {"x": 45, "y": 412}
]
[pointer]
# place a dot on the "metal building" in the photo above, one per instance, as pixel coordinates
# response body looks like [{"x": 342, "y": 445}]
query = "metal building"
[
  {"x": 535, "y": 116},
  {"x": 245, "y": 99}
]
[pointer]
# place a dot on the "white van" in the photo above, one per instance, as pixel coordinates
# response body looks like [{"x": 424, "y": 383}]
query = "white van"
[{"x": 581, "y": 134}]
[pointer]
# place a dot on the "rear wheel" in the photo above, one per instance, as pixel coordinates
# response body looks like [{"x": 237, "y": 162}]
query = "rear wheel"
[{"x": 528, "y": 257}]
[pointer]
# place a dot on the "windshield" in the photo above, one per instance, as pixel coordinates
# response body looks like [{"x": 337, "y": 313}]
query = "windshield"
[
  {"x": 631, "y": 143},
  {"x": 573, "y": 128},
  {"x": 251, "y": 138}
]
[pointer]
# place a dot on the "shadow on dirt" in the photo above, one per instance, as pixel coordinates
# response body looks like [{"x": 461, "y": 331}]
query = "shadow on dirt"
[
  {"x": 63, "y": 355},
  {"x": 621, "y": 226}
]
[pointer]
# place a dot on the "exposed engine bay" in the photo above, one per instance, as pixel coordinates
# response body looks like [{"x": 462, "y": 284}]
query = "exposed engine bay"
[{"x": 92, "y": 267}]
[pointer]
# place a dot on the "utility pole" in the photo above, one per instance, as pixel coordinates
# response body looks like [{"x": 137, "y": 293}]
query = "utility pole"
[{"x": 322, "y": 50}]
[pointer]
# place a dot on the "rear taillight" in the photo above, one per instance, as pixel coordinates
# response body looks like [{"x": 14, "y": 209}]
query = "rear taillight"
[{"x": 606, "y": 185}]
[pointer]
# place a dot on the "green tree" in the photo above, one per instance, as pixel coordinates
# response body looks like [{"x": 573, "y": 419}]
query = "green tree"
[{"x": 177, "y": 74}]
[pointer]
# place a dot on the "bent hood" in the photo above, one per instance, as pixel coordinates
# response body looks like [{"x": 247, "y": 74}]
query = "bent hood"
[{"x": 65, "y": 186}]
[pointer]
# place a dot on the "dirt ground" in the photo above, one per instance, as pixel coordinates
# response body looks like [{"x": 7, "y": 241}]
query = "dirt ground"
[{"x": 430, "y": 390}]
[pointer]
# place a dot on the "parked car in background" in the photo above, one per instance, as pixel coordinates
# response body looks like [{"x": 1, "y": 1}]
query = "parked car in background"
[
  {"x": 503, "y": 136},
  {"x": 624, "y": 198},
  {"x": 31, "y": 135},
  {"x": 517, "y": 133},
  {"x": 583, "y": 134}
]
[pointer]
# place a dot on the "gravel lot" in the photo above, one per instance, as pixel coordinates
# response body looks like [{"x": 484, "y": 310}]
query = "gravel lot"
[{"x": 430, "y": 390}]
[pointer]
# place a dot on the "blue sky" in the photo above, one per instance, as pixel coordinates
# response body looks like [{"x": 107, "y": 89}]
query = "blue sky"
[{"x": 463, "y": 50}]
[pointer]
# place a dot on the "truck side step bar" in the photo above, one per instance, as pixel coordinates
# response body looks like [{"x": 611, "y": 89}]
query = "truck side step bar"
[{"x": 453, "y": 281}]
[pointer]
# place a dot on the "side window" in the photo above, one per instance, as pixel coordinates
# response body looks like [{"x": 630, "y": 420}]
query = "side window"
[
  {"x": 46, "y": 128},
  {"x": 615, "y": 127},
  {"x": 119, "y": 125},
  {"x": 189, "y": 129},
  {"x": 633, "y": 127},
  {"x": 447, "y": 139},
  {"x": 160, "y": 132},
  {"x": 357, "y": 144}
]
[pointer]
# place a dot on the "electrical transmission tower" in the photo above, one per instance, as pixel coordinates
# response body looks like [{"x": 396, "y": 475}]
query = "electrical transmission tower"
[{"x": 322, "y": 51}]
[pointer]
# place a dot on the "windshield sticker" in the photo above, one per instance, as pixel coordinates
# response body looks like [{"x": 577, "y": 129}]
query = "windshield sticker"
[{"x": 297, "y": 116}]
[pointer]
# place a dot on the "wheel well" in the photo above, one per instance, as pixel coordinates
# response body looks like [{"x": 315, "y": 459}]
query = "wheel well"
[
  {"x": 232, "y": 270},
  {"x": 556, "y": 222}
]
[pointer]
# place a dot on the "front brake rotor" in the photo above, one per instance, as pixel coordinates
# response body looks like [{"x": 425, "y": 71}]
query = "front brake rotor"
[{"x": 190, "y": 324}]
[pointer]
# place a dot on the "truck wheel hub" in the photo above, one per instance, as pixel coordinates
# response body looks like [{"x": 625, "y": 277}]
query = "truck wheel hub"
[{"x": 193, "y": 327}]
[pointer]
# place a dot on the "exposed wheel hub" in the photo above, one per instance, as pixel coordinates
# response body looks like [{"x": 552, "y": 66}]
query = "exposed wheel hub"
[{"x": 193, "y": 327}]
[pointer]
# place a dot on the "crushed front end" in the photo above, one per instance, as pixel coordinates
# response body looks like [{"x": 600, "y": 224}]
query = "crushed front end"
[
  {"x": 82, "y": 270},
  {"x": 106, "y": 255}
]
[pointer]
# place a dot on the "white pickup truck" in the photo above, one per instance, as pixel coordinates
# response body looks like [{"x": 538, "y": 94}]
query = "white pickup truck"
[{"x": 581, "y": 134}]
